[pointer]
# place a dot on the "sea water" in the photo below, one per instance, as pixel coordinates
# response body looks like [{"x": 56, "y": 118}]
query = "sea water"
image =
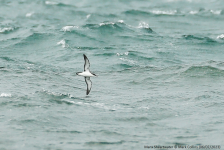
[{"x": 160, "y": 68}]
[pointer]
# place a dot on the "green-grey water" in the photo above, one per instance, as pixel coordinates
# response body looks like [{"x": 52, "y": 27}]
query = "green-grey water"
[{"x": 160, "y": 74}]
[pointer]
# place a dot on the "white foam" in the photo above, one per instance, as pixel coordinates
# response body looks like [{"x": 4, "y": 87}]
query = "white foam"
[
  {"x": 50, "y": 3},
  {"x": 129, "y": 61},
  {"x": 5, "y": 95},
  {"x": 120, "y": 21},
  {"x": 29, "y": 14},
  {"x": 2, "y": 30},
  {"x": 69, "y": 28},
  {"x": 220, "y": 36},
  {"x": 143, "y": 25},
  {"x": 62, "y": 43},
  {"x": 88, "y": 16},
  {"x": 216, "y": 12},
  {"x": 193, "y": 12},
  {"x": 144, "y": 107},
  {"x": 159, "y": 12},
  {"x": 102, "y": 24},
  {"x": 125, "y": 53},
  {"x": 98, "y": 105}
]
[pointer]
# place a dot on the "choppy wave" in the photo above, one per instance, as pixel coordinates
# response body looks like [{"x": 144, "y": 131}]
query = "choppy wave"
[
  {"x": 174, "y": 12},
  {"x": 220, "y": 36},
  {"x": 6, "y": 30},
  {"x": 29, "y": 14},
  {"x": 135, "y": 56},
  {"x": 160, "y": 64},
  {"x": 63, "y": 43},
  {"x": 51, "y": 3},
  {"x": 136, "y": 12},
  {"x": 199, "y": 38},
  {"x": 152, "y": 12},
  {"x": 24, "y": 65},
  {"x": 55, "y": 97},
  {"x": 205, "y": 12},
  {"x": 145, "y": 26},
  {"x": 108, "y": 27},
  {"x": 69, "y": 28},
  {"x": 160, "y": 12},
  {"x": 171, "y": 74},
  {"x": 59, "y": 4},
  {"x": 118, "y": 26},
  {"x": 69, "y": 99},
  {"x": 208, "y": 69},
  {"x": 5, "y": 95},
  {"x": 203, "y": 71}
]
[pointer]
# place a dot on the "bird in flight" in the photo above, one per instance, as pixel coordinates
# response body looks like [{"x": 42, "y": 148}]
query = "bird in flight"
[{"x": 87, "y": 74}]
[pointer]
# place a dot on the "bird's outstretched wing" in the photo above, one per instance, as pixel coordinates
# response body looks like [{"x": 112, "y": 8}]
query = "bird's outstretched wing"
[
  {"x": 87, "y": 64},
  {"x": 89, "y": 84}
]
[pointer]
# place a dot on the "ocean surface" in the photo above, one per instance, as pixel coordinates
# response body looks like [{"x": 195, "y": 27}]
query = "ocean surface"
[{"x": 160, "y": 67}]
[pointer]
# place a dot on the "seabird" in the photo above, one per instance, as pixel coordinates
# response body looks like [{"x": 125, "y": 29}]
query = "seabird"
[{"x": 87, "y": 74}]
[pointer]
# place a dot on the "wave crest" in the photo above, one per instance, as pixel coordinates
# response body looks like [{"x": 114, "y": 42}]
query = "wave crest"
[
  {"x": 193, "y": 37},
  {"x": 6, "y": 95},
  {"x": 6, "y": 30},
  {"x": 220, "y": 36},
  {"x": 203, "y": 71}
]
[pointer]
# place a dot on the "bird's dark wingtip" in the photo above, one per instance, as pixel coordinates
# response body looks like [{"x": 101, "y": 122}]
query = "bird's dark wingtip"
[{"x": 87, "y": 92}]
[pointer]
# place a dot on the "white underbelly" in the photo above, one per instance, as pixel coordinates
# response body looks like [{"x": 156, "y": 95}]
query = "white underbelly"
[{"x": 86, "y": 74}]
